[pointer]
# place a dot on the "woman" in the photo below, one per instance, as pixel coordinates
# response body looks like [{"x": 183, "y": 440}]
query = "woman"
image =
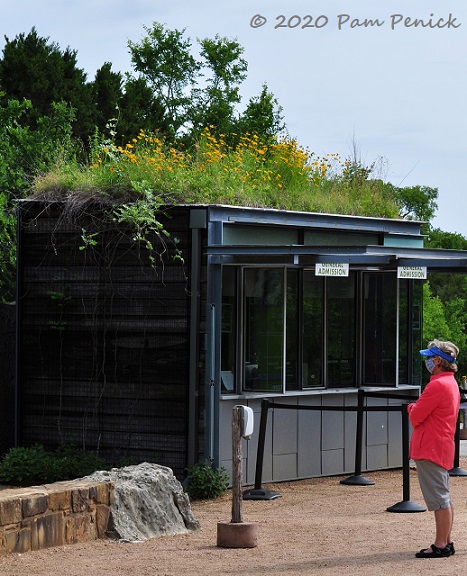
[{"x": 434, "y": 419}]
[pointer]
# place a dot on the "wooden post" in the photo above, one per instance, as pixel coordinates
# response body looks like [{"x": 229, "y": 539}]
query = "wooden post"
[
  {"x": 236, "y": 466},
  {"x": 236, "y": 533}
]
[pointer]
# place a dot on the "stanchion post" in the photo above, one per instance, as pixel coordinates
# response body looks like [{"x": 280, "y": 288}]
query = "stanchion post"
[
  {"x": 258, "y": 493},
  {"x": 357, "y": 479},
  {"x": 457, "y": 471},
  {"x": 405, "y": 505}
]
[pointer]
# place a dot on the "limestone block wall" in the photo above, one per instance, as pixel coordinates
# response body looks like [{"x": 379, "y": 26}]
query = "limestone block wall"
[{"x": 53, "y": 515}]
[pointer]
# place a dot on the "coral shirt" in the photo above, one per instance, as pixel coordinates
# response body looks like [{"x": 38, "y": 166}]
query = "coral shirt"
[{"x": 434, "y": 419}]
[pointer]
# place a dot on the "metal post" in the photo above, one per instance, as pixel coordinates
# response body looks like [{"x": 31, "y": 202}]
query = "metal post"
[
  {"x": 357, "y": 479},
  {"x": 194, "y": 346},
  {"x": 457, "y": 471},
  {"x": 406, "y": 505},
  {"x": 259, "y": 493},
  {"x": 212, "y": 380}
]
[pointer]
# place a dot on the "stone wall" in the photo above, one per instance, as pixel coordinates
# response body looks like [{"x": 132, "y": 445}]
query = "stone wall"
[{"x": 53, "y": 515}]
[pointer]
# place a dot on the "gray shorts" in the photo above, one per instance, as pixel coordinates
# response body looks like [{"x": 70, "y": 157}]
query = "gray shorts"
[{"x": 434, "y": 483}]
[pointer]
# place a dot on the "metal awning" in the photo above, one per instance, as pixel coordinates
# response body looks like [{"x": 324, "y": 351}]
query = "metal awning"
[{"x": 384, "y": 257}]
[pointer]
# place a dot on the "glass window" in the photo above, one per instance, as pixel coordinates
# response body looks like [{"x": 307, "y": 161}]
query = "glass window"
[
  {"x": 380, "y": 328},
  {"x": 288, "y": 329},
  {"x": 387, "y": 337},
  {"x": 312, "y": 367},
  {"x": 292, "y": 355},
  {"x": 263, "y": 322},
  {"x": 229, "y": 329},
  {"x": 341, "y": 317},
  {"x": 403, "y": 346},
  {"x": 416, "y": 296}
]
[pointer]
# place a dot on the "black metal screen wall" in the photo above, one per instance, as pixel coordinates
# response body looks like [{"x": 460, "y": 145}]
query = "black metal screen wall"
[
  {"x": 103, "y": 338},
  {"x": 7, "y": 377}
]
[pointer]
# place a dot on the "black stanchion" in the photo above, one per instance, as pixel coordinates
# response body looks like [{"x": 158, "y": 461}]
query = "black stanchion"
[
  {"x": 405, "y": 505},
  {"x": 259, "y": 493},
  {"x": 357, "y": 479},
  {"x": 457, "y": 471}
]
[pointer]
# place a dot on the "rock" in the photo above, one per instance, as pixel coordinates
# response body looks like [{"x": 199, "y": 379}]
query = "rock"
[{"x": 148, "y": 502}]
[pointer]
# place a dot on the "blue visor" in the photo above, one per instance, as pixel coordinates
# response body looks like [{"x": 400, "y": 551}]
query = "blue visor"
[{"x": 435, "y": 351}]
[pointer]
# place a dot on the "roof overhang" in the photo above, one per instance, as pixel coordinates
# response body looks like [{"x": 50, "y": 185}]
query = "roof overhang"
[{"x": 383, "y": 257}]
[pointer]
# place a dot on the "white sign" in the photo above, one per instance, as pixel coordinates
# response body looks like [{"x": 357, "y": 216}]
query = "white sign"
[
  {"x": 417, "y": 272},
  {"x": 332, "y": 269}
]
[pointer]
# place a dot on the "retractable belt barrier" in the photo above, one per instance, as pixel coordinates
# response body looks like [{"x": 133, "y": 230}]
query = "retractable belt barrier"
[{"x": 258, "y": 493}]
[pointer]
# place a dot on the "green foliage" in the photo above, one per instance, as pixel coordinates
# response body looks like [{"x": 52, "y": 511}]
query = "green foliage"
[
  {"x": 25, "y": 152},
  {"x": 256, "y": 171},
  {"x": 26, "y": 466},
  {"x": 206, "y": 482},
  {"x": 143, "y": 219},
  {"x": 224, "y": 69},
  {"x": 35, "y": 69},
  {"x": 417, "y": 203},
  {"x": 34, "y": 465},
  {"x": 445, "y": 320},
  {"x": 185, "y": 94},
  {"x": 72, "y": 462},
  {"x": 448, "y": 240},
  {"x": 175, "y": 90},
  {"x": 446, "y": 297},
  {"x": 139, "y": 109},
  {"x": 262, "y": 116},
  {"x": 164, "y": 58},
  {"x": 106, "y": 94},
  {"x": 89, "y": 239},
  {"x": 435, "y": 324},
  {"x": 7, "y": 250}
]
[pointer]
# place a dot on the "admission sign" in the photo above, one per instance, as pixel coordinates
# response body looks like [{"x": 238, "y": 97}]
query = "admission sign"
[
  {"x": 414, "y": 272},
  {"x": 332, "y": 269}
]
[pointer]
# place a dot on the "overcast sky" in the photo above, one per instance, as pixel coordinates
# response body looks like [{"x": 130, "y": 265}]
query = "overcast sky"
[{"x": 389, "y": 76}]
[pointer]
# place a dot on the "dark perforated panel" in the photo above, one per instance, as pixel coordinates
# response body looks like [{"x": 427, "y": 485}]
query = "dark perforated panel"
[{"x": 104, "y": 341}]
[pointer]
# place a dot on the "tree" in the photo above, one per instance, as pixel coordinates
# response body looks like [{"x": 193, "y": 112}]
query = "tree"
[
  {"x": 417, "y": 202},
  {"x": 7, "y": 250},
  {"x": 437, "y": 238},
  {"x": 444, "y": 320},
  {"x": 163, "y": 58},
  {"x": 25, "y": 153},
  {"x": 107, "y": 93},
  {"x": 139, "y": 110},
  {"x": 35, "y": 69},
  {"x": 445, "y": 293},
  {"x": 435, "y": 324},
  {"x": 224, "y": 69},
  {"x": 13, "y": 175},
  {"x": 452, "y": 286},
  {"x": 262, "y": 116}
]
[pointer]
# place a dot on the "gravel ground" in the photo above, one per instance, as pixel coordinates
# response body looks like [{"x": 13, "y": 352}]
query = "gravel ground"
[{"x": 317, "y": 526}]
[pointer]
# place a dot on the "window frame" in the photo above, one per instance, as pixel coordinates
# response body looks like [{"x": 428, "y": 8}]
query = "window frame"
[{"x": 359, "y": 333}]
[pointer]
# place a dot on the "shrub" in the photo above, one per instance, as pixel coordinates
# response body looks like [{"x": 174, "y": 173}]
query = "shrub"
[
  {"x": 34, "y": 465},
  {"x": 72, "y": 462},
  {"x": 206, "y": 482},
  {"x": 26, "y": 466}
]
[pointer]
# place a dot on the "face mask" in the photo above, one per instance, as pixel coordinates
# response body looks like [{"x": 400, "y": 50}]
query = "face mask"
[{"x": 430, "y": 365}]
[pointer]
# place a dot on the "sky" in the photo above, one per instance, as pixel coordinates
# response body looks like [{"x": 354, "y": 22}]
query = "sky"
[{"x": 385, "y": 78}]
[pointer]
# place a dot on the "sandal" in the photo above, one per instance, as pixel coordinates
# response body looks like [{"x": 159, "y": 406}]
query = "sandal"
[{"x": 435, "y": 552}]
